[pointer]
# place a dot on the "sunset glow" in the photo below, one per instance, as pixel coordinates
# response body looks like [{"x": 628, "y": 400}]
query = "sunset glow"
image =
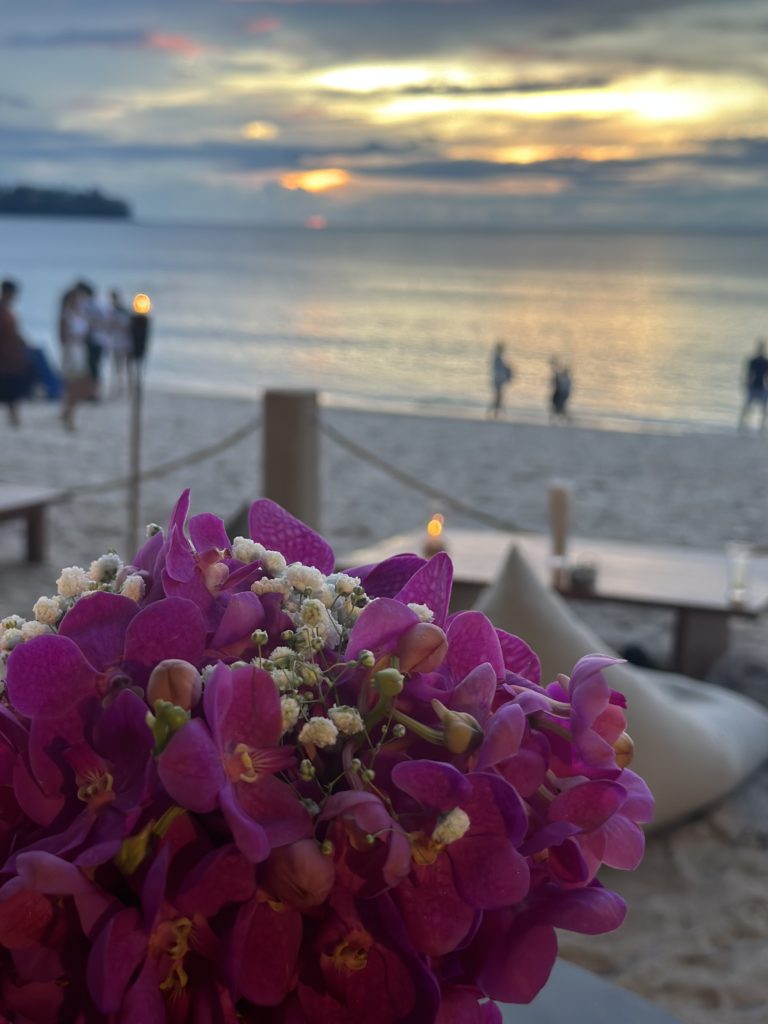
[
  {"x": 320, "y": 180},
  {"x": 455, "y": 110}
]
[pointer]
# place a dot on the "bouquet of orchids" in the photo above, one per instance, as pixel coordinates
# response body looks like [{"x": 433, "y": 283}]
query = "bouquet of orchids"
[{"x": 236, "y": 785}]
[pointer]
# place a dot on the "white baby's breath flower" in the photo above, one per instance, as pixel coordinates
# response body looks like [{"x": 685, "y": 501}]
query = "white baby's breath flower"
[
  {"x": 133, "y": 587},
  {"x": 267, "y": 586},
  {"x": 423, "y": 611},
  {"x": 314, "y": 613},
  {"x": 73, "y": 581},
  {"x": 290, "y": 709},
  {"x": 284, "y": 679},
  {"x": 11, "y": 622},
  {"x": 273, "y": 562},
  {"x": 32, "y": 629},
  {"x": 342, "y": 583},
  {"x": 451, "y": 827},
  {"x": 327, "y": 595},
  {"x": 304, "y": 577},
  {"x": 47, "y": 610},
  {"x": 347, "y": 720},
  {"x": 319, "y": 731},
  {"x": 246, "y": 550},
  {"x": 282, "y": 656},
  {"x": 11, "y": 638},
  {"x": 105, "y": 568}
]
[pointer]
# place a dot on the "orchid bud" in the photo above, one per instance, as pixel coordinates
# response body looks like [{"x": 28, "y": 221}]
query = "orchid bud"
[
  {"x": 259, "y": 637},
  {"x": 389, "y": 682},
  {"x": 166, "y": 721},
  {"x": 461, "y": 732},
  {"x": 300, "y": 874},
  {"x": 176, "y": 682},
  {"x": 625, "y": 750},
  {"x": 367, "y": 659},
  {"x": 422, "y": 648}
]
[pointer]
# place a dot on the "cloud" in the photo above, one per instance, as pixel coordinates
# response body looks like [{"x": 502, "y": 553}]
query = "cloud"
[
  {"x": 262, "y": 26},
  {"x": 109, "y": 39}
]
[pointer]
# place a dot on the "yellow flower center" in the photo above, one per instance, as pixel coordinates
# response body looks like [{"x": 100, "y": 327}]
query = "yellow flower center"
[
  {"x": 240, "y": 766},
  {"x": 171, "y": 938},
  {"x": 95, "y": 788},
  {"x": 351, "y": 954},
  {"x": 424, "y": 849}
]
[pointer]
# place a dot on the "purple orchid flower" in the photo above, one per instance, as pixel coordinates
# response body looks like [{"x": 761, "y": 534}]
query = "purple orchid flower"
[{"x": 230, "y": 759}]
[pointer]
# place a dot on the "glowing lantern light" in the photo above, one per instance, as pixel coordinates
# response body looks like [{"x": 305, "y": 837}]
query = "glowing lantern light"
[
  {"x": 142, "y": 304},
  {"x": 434, "y": 540}
]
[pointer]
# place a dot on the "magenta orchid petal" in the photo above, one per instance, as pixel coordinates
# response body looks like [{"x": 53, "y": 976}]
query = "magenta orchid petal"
[
  {"x": 432, "y": 783},
  {"x": 639, "y": 801},
  {"x": 190, "y": 768},
  {"x": 380, "y": 626},
  {"x": 516, "y": 965},
  {"x": 46, "y": 676},
  {"x": 495, "y": 807},
  {"x": 431, "y": 585},
  {"x": 250, "y": 837},
  {"x": 173, "y": 628},
  {"x": 207, "y": 532},
  {"x": 146, "y": 557},
  {"x": 180, "y": 561},
  {"x": 263, "y": 951},
  {"x": 588, "y": 805},
  {"x": 503, "y": 736},
  {"x": 97, "y": 625},
  {"x": 244, "y": 613},
  {"x": 247, "y": 707},
  {"x": 518, "y": 657},
  {"x": 223, "y": 876},
  {"x": 276, "y": 529},
  {"x": 436, "y": 918},
  {"x": 179, "y": 512},
  {"x": 274, "y": 806},
  {"x": 474, "y": 694},
  {"x": 489, "y": 872},
  {"x": 388, "y": 577},
  {"x": 592, "y": 910},
  {"x": 118, "y": 949},
  {"x": 472, "y": 640},
  {"x": 53, "y": 876},
  {"x": 624, "y": 843}
]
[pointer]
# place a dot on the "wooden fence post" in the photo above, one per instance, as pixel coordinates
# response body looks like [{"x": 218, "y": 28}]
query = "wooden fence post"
[{"x": 291, "y": 453}]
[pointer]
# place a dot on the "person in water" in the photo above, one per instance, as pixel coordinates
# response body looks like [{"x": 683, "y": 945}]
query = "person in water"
[
  {"x": 756, "y": 385},
  {"x": 501, "y": 375}
]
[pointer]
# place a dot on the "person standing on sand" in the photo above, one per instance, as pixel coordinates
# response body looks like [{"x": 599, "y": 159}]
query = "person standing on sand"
[
  {"x": 15, "y": 366},
  {"x": 561, "y": 389},
  {"x": 73, "y": 331},
  {"x": 756, "y": 385},
  {"x": 501, "y": 375}
]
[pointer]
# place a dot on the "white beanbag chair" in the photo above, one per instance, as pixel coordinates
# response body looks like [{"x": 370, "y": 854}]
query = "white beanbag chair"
[{"x": 694, "y": 742}]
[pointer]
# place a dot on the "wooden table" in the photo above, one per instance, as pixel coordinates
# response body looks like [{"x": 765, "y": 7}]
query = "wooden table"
[
  {"x": 691, "y": 583},
  {"x": 29, "y": 504}
]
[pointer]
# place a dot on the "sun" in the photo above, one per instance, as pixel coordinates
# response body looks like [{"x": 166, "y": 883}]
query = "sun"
[{"x": 320, "y": 180}]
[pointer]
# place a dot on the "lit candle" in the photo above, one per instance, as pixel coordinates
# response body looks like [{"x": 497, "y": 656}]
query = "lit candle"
[{"x": 434, "y": 542}]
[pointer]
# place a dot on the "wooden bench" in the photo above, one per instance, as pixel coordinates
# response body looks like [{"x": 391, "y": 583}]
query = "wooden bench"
[{"x": 29, "y": 504}]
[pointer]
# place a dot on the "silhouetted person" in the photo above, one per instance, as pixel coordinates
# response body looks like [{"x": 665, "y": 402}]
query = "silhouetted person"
[
  {"x": 74, "y": 325},
  {"x": 501, "y": 375},
  {"x": 119, "y": 341},
  {"x": 15, "y": 365},
  {"x": 756, "y": 385},
  {"x": 561, "y": 389}
]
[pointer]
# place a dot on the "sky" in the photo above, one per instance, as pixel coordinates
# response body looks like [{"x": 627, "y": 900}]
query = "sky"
[{"x": 523, "y": 113}]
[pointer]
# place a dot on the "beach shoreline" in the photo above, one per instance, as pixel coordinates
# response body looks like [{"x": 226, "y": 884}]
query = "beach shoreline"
[{"x": 697, "y": 930}]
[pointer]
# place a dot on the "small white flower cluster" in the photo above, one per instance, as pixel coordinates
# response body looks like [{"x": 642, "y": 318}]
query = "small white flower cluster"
[
  {"x": 106, "y": 568},
  {"x": 14, "y": 630},
  {"x": 74, "y": 582},
  {"x": 451, "y": 827},
  {"x": 423, "y": 611}
]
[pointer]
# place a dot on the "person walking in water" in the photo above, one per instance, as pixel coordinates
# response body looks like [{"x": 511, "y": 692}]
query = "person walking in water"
[
  {"x": 561, "y": 389},
  {"x": 501, "y": 375},
  {"x": 756, "y": 385}
]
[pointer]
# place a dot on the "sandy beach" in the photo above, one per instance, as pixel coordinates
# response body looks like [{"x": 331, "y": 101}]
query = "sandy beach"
[{"x": 696, "y": 939}]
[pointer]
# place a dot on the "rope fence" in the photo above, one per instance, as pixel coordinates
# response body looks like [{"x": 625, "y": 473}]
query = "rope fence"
[
  {"x": 200, "y": 455},
  {"x": 415, "y": 484}
]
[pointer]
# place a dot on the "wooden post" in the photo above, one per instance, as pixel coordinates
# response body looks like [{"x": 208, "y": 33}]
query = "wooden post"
[
  {"x": 291, "y": 454},
  {"x": 559, "y": 500},
  {"x": 134, "y": 464}
]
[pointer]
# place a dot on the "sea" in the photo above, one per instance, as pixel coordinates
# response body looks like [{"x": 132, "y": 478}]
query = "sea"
[{"x": 655, "y": 327}]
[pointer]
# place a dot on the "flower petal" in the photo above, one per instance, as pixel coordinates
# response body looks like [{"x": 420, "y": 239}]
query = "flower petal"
[
  {"x": 272, "y": 526},
  {"x": 471, "y": 641},
  {"x": 207, "y": 531},
  {"x": 97, "y": 624},
  {"x": 172, "y": 628},
  {"x": 380, "y": 626},
  {"x": 389, "y": 576},
  {"x": 489, "y": 871},
  {"x": 47, "y": 675},
  {"x": 190, "y": 768},
  {"x": 431, "y": 585},
  {"x": 432, "y": 783}
]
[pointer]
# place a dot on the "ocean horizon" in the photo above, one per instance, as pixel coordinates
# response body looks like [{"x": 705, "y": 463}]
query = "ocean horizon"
[{"x": 655, "y": 326}]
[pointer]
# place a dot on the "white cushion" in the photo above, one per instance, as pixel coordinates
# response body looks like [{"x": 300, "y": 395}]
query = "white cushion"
[{"x": 694, "y": 741}]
